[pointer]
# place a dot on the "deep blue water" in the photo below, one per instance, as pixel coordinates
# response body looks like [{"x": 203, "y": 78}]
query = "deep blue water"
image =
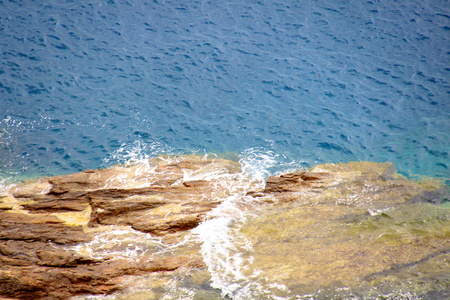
[{"x": 84, "y": 84}]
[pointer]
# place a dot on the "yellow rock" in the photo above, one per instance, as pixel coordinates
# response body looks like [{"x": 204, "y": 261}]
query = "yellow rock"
[
  {"x": 75, "y": 218},
  {"x": 166, "y": 209}
]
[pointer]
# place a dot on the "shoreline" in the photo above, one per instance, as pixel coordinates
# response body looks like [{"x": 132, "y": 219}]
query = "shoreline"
[
  {"x": 23, "y": 177},
  {"x": 93, "y": 229}
]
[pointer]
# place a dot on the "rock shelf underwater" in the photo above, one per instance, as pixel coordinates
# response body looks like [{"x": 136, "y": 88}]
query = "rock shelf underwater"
[{"x": 201, "y": 228}]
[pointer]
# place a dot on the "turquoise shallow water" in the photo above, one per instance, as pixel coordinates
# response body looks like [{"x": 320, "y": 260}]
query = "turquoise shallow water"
[{"x": 86, "y": 84}]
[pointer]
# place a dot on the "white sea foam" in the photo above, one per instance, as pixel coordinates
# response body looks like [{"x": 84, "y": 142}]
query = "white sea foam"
[
  {"x": 137, "y": 153},
  {"x": 4, "y": 187},
  {"x": 256, "y": 162},
  {"x": 228, "y": 254},
  {"x": 123, "y": 242},
  {"x": 225, "y": 251},
  {"x": 259, "y": 163},
  {"x": 220, "y": 249}
]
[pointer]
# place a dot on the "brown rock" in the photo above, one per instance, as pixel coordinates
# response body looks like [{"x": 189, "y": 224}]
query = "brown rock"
[
  {"x": 183, "y": 207},
  {"x": 20, "y": 226},
  {"x": 56, "y": 258},
  {"x": 55, "y": 206},
  {"x": 294, "y": 182},
  {"x": 161, "y": 226},
  {"x": 39, "y": 220},
  {"x": 40, "y": 217},
  {"x": 24, "y": 253},
  {"x": 43, "y": 282}
]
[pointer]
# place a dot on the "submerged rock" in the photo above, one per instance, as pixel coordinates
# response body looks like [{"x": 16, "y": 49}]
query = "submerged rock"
[
  {"x": 358, "y": 227},
  {"x": 337, "y": 225}
]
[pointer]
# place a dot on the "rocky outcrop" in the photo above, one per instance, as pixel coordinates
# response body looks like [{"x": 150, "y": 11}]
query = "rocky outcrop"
[
  {"x": 60, "y": 275},
  {"x": 42, "y": 222},
  {"x": 39, "y": 220},
  {"x": 358, "y": 226},
  {"x": 354, "y": 183},
  {"x": 294, "y": 182},
  {"x": 26, "y": 227}
]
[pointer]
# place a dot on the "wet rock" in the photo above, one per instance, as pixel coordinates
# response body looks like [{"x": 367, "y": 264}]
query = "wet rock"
[
  {"x": 26, "y": 253},
  {"x": 43, "y": 282},
  {"x": 295, "y": 182},
  {"x": 355, "y": 183},
  {"x": 39, "y": 220},
  {"x": 161, "y": 226},
  {"x": 26, "y": 227},
  {"x": 55, "y": 206},
  {"x": 57, "y": 258},
  {"x": 435, "y": 197},
  {"x": 357, "y": 226},
  {"x": 156, "y": 209},
  {"x": 35, "y": 263},
  {"x": 44, "y": 221}
]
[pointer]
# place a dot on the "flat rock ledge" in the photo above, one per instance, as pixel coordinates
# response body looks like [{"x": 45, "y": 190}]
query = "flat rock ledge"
[{"x": 41, "y": 220}]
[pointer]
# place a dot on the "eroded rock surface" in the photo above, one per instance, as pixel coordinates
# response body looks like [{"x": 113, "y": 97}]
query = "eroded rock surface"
[
  {"x": 40, "y": 220},
  {"x": 44, "y": 221}
]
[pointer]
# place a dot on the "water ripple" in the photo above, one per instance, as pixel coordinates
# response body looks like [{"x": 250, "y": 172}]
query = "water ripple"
[{"x": 314, "y": 81}]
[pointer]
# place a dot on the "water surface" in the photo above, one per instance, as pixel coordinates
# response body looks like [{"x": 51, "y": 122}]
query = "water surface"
[{"x": 308, "y": 81}]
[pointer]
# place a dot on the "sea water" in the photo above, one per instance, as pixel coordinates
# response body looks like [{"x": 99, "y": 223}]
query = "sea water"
[
  {"x": 308, "y": 81},
  {"x": 275, "y": 85}
]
